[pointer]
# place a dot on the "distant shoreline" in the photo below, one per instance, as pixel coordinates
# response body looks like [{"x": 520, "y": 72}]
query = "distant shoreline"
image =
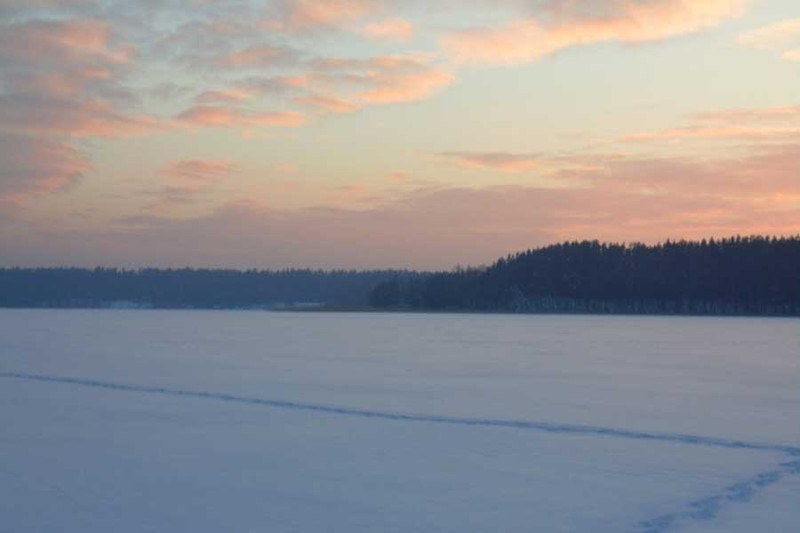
[
  {"x": 740, "y": 276},
  {"x": 390, "y": 311}
]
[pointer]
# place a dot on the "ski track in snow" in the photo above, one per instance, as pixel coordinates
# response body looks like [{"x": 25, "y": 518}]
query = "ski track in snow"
[
  {"x": 702, "y": 509},
  {"x": 708, "y": 507}
]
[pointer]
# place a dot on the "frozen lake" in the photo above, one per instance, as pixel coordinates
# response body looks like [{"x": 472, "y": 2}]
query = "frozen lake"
[{"x": 173, "y": 421}]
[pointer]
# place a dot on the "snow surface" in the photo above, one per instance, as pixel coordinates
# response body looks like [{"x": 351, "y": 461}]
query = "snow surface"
[{"x": 137, "y": 421}]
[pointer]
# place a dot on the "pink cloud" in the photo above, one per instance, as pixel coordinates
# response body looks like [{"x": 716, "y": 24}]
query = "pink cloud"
[
  {"x": 305, "y": 15},
  {"x": 224, "y": 95},
  {"x": 187, "y": 180},
  {"x": 199, "y": 170},
  {"x": 328, "y": 104},
  {"x": 757, "y": 124},
  {"x": 755, "y": 172},
  {"x": 375, "y": 80},
  {"x": 226, "y": 117},
  {"x": 88, "y": 118},
  {"x": 610, "y": 198},
  {"x": 502, "y": 161},
  {"x": 394, "y": 29},
  {"x": 393, "y": 87},
  {"x": 626, "y": 21},
  {"x": 54, "y": 41},
  {"x": 34, "y": 166},
  {"x": 715, "y": 133},
  {"x": 738, "y": 116},
  {"x": 260, "y": 56}
]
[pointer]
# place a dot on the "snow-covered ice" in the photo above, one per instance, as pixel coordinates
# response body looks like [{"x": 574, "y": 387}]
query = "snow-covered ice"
[{"x": 133, "y": 421}]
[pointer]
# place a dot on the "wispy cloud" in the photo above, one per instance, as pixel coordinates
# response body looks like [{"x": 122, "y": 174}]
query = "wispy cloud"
[
  {"x": 773, "y": 36},
  {"x": 501, "y": 161},
  {"x": 381, "y": 79},
  {"x": 755, "y": 124},
  {"x": 310, "y": 15},
  {"x": 738, "y": 116},
  {"x": 37, "y": 166},
  {"x": 783, "y": 35},
  {"x": 792, "y": 55},
  {"x": 63, "y": 81},
  {"x": 201, "y": 171},
  {"x": 570, "y": 23},
  {"x": 715, "y": 133},
  {"x": 223, "y": 95},
  {"x": 328, "y": 104},
  {"x": 260, "y": 57},
  {"x": 393, "y": 29},
  {"x": 56, "y": 41},
  {"x": 80, "y": 118},
  {"x": 229, "y": 117}
]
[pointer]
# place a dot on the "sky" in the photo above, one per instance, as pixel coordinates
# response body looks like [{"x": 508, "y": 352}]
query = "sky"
[{"x": 387, "y": 133}]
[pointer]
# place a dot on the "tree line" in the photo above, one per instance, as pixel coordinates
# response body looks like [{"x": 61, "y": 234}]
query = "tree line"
[
  {"x": 187, "y": 287},
  {"x": 734, "y": 276}
]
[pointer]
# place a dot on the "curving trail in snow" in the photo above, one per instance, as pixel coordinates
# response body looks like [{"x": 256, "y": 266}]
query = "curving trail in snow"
[
  {"x": 709, "y": 507},
  {"x": 703, "y": 509}
]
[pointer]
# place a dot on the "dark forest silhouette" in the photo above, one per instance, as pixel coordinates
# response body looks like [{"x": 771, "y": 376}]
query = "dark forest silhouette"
[
  {"x": 736, "y": 276},
  {"x": 186, "y": 288}
]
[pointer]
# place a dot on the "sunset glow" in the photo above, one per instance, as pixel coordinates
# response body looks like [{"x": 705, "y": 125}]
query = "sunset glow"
[{"x": 386, "y": 133}]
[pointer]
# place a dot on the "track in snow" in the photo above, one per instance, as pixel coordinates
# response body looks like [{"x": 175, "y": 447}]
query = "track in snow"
[{"x": 703, "y": 509}]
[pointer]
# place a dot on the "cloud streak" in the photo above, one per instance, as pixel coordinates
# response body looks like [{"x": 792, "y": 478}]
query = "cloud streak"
[
  {"x": 229, "y": 117},
  {"x": 201, "y": 171},
  {"x": 773, "y": 36},
  {"x": 569, "y": 24},
  {"x": 294, "y": 16},
  {"x": 37, "y": 166},
  {"x": 758, "y": 124},
  {"x": 501, "y": 161},
  {"x": 394, "y": 29}
]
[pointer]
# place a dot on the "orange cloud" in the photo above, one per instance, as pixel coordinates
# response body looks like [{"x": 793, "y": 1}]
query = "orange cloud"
[
  {"x": 395, "y": 29},
  {"x": 772, "y": 36},
  {"x": 502, "y": 161},
  {"x": 780, "y": 35},
  {"x": 304, "y": 15},
  {"x": 792, "y": 55},
  {"x": 626, "y": 21},
  {"x": 405, "y": 87},
  {"x": 328, "y": 104},
  {"x": 714, "y": 133},
  {"x": 226, "y": 117},
  {"x": 378, "y": 80}
]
